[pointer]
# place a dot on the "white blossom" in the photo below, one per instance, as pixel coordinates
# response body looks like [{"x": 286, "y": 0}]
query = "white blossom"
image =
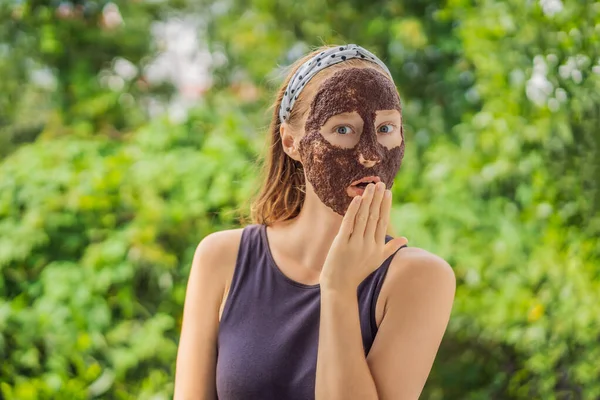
[
  {"x": 124, "y": 68},
  {"x": 538, "y": 87},
  {"x": 551, "y": 7},
  {"x": 111, "y": 16}
]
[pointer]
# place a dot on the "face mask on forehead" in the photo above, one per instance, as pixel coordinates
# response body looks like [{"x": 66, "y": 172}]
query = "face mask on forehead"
[{"x": 331, "y": 169}]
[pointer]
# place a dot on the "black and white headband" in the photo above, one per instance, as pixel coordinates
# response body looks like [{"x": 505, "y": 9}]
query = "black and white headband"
[{"x": 317, "y": 63}]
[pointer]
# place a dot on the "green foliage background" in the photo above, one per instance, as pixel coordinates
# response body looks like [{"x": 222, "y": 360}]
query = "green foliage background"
[{"x": 101, "y": 205}]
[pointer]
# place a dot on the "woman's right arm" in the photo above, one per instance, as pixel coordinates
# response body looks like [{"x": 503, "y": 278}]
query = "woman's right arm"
[{"x": 195, "y": 373}]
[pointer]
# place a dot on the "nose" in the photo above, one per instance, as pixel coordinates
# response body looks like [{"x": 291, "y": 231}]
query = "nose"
[{"x": 370, "y": 162}]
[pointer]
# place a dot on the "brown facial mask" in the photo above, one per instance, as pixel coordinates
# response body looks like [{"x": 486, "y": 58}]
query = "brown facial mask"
[{"x": 331, "y": 169}]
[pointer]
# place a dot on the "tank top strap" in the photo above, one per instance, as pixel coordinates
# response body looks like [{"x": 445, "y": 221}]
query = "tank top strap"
[
  {"x": 368, "y": 294},
  {"x": 247, "y": 267}
]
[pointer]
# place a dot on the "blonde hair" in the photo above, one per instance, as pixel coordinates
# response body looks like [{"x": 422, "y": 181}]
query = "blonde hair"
[{"x": 283, "y": 188}]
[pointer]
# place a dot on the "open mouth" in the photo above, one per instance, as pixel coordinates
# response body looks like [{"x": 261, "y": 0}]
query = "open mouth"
[
  {"x": 358, "y": 187},
  {"x": 362, "y": 183}
]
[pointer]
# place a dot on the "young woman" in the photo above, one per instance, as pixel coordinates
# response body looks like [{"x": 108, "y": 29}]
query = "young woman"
[{"x": 313, "y": 299}]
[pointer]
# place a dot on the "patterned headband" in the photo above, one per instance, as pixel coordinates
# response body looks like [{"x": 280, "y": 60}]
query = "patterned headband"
[{"x": 317, "y": 63}]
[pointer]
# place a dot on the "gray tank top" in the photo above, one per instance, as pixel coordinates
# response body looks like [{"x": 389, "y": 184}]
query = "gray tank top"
[{"x": 268, "y": 334}]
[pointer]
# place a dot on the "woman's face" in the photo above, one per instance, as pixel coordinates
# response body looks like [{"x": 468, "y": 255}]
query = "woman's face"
[{"x": 353, "y": 130}]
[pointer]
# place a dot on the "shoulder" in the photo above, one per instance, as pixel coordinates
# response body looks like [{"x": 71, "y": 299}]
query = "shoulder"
[
  {"x": 216, "y": 254},
  {"x": 418, "y": 273},
  {"x": 216, "y": 243},
  {"x": 416, "y": 263}
]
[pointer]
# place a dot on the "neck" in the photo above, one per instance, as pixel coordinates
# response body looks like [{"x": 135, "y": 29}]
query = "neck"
[{"x": 309, "y": 236}]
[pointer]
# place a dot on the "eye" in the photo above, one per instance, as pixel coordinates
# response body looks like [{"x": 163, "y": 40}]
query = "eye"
[
  {"x": 343, "y": 129},
  {"x": 387, "y": 128}
]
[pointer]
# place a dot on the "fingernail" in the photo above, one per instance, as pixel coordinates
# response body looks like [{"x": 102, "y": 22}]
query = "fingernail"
[
  {"x": 379, "y": 186},
  {"x": 388, "y": 193}
]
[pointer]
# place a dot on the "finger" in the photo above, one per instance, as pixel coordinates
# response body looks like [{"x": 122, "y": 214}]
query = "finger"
[
  {"x": 384, "y": 217},
  {"x": 392, "y": 246},
  {"x": 363, "y": 212},
  {"x": 348, "y": 221},
  {"x": 374, "y": 211}
]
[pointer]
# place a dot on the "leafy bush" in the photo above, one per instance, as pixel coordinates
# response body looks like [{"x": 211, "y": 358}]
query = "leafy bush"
[{"x": 96, "y": 242}]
